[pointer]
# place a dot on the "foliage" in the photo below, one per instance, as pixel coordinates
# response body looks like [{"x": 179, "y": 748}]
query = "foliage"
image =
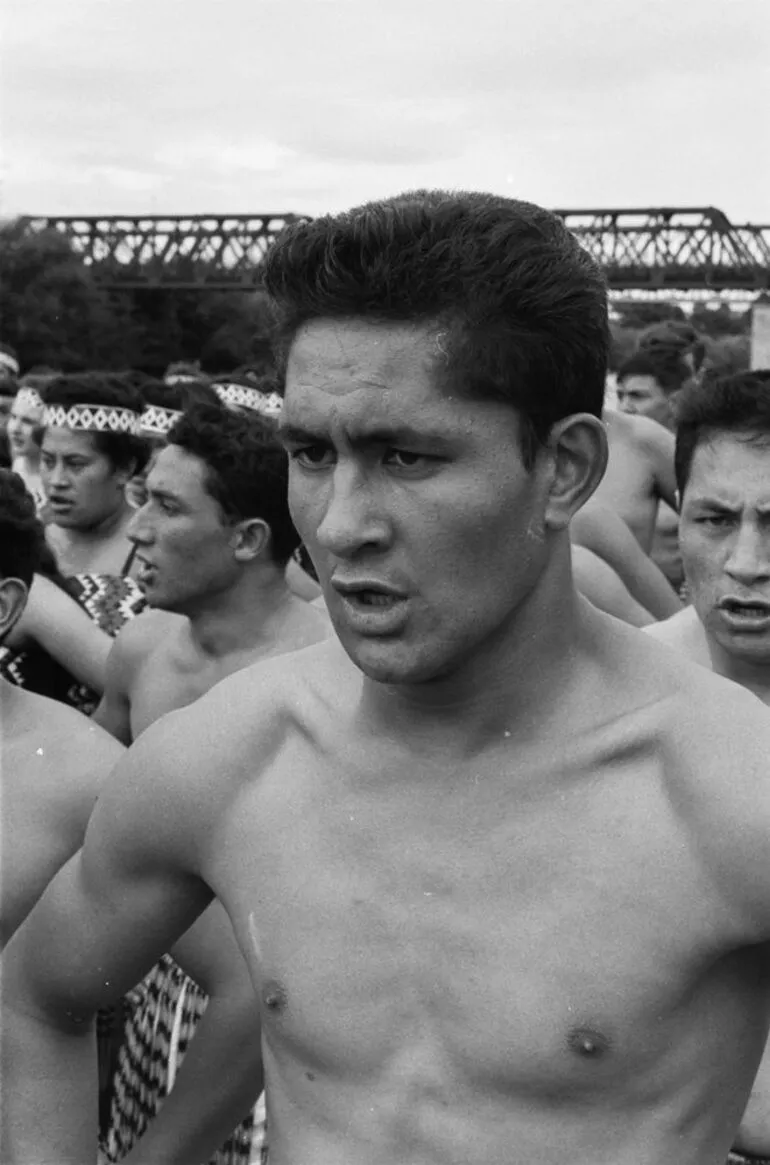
[{"x": 54, "y": 312}]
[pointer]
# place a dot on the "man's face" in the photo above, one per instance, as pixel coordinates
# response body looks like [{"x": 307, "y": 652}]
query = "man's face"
[
  {"x": 724, "y": 534},
  {"x": 183, "y": 542},
  {"x": 424, "y": 526},
  {"x": 82, "y": 486},
  {"x": 644, "y": 397},
  {"x": 22, "y": 422}
]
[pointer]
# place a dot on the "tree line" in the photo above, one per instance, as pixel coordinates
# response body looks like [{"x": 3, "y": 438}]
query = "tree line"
[{"x": 54, "y": 312}]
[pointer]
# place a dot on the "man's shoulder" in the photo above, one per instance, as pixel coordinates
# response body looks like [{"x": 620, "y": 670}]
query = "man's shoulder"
[
  {"x": 242, "y": 717},
  {"x": 143, "y": 635},
  {"x": 682, "y": 632},
  {"x": 642, "y": 432},
  {"x": 59, "y": 730}
]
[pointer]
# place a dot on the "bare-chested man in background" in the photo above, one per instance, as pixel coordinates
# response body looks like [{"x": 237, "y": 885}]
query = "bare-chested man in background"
[
  {"x": 723, "y": 473},
  {"x": 212, "y": 542},
  {"x": 497, "y": 863},
  {"x": 54, "y": 760}
]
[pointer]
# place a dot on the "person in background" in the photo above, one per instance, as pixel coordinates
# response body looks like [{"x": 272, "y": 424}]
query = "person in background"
[
  {"x": 91, "y": 446},
  {"x": 54, "y": 760},
  {"x": 648, "y": 383},
  {"x": 8, "y": 389},
  {"x": 723, "y": 476},
  {"x": 213, "y": 539},
  {"x": 184, "y": 371},
  {"x": 23, "y": 437}
]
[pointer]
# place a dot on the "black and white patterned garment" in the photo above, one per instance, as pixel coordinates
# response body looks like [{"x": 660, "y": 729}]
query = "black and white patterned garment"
[
  {"x": 109, "y": 601},
  {"x": 161, "y": 1016}
]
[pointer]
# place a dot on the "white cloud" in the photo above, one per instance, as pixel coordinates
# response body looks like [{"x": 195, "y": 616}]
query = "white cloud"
[{"x": 196, "y": 105}]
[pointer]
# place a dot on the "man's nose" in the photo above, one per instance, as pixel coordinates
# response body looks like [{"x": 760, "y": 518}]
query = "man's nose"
[
  {"x": 139, "y": 529},
  {"x": 57, "y": 475},
  {"x": 749, "y": 560},
  {"x": 351, "y": 519}
]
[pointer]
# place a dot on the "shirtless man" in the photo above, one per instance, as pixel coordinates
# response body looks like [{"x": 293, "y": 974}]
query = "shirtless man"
[
  {"x": 648, "y": 384},
  {"x": 53, "y": 759},
  {"x": 640, "y": 470},
  {"x": 91, "y": 447},
  {"x": 498, "y": 863},
  {"x": 723, "y": 473},
  {"x": 212, "y": 539}
]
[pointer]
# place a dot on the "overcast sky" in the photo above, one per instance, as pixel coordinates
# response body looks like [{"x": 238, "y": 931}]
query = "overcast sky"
[{"x": 238, "y": 106}]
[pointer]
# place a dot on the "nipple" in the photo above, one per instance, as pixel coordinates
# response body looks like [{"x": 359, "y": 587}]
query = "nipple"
[
  {"x": 587, "y": 1042},
  {"x": 274, "y": 996}
]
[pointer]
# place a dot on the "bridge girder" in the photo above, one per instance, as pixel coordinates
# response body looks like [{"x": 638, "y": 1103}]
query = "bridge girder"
[{"x": 654, "y": 249}]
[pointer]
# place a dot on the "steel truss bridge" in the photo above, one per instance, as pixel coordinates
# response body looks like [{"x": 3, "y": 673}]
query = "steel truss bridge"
[{"x": 654, "y": 250}]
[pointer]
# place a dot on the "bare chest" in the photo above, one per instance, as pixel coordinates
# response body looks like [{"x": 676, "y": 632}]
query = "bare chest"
[{"x": 540, "y": 947}]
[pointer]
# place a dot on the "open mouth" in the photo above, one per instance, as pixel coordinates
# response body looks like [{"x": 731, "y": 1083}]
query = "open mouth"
[
  {"x": 745, "y": 614},
  {"x": 371, "y": 598},
  {"x": 739, "y": 607}
]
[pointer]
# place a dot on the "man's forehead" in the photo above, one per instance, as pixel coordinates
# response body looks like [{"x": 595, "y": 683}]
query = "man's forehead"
[
  {"x": 175, "y": 470},
  {"x": 730, "y": 467},
  {"x": 336, "y": 353}
]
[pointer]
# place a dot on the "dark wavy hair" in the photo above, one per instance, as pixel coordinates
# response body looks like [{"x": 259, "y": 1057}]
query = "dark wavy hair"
[
  {"x": 523, "y": 306},
  {"x": 246, "y": 468},
  {"x": 738, "y": 404},
  {"x": 22, "y": 541},
  {"x": 104, "y": 388},
  {"x": 670, "y": 374}
]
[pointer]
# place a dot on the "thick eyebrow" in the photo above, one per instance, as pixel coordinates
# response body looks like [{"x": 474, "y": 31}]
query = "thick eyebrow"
[
  {"x": 377, "y": 435},
  {"x": 707, "y": 503},
  {"x": 164, "y": 494}
]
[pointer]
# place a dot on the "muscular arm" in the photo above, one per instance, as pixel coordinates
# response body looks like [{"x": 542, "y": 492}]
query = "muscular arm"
[
  {"x": 601, "y": 586},
  {"x": 109, "y": 914},
  {"x": 62, "y": 628},
  {"x": 601, "y": 530},
  {"x": 659, "y": 444},
  {"x": 220, "y": 1077},
  {"x": 130, "y": 646}
]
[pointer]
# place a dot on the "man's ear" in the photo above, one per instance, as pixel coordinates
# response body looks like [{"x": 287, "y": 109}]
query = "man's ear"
[
  {"x": 251, "y": 538},
  {"x": 577, "y": 447},
  {"x": 13, "y": 600}
]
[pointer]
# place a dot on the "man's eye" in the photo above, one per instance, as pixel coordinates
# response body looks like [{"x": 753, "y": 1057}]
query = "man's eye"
[
  {"x": 313, "y": 456},
  {"x": 714, "y": 520},
  {"x": 405, "y": 459}
]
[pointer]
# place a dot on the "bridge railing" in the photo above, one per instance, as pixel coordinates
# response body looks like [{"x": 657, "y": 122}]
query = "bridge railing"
[{"x": 677, "y": 249}]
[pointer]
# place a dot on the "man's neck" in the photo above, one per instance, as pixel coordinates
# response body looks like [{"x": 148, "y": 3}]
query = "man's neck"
[
  {"x": 251, "y": 613},
  {"x": 753, "y": 676},
  {"x": 508, "y": 689}
]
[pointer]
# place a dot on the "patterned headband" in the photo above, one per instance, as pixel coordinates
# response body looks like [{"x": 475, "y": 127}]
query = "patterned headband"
[
  {"x": 29, "y": 398},
  {"x": 7, "y": 360},
  {"x": 244, "y": 397},
  {"x": 93, "y": 418},
  {"x": 156, "y": 421}
]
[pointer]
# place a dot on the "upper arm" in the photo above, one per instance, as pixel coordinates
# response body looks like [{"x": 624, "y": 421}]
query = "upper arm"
[
  {"x": 114, "y": 711},
  {"x": 599, "y": 583},
  {"x": 209, "y": 953},
  {"x": 660, "y": 444},
  {"x": 139, "y": 881},
  {"x": 726, "y": 750},
  {"x": 131, "y": 890},
  {"x": 62, "y": 628},
  {"x": 601, "y": 530}
]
